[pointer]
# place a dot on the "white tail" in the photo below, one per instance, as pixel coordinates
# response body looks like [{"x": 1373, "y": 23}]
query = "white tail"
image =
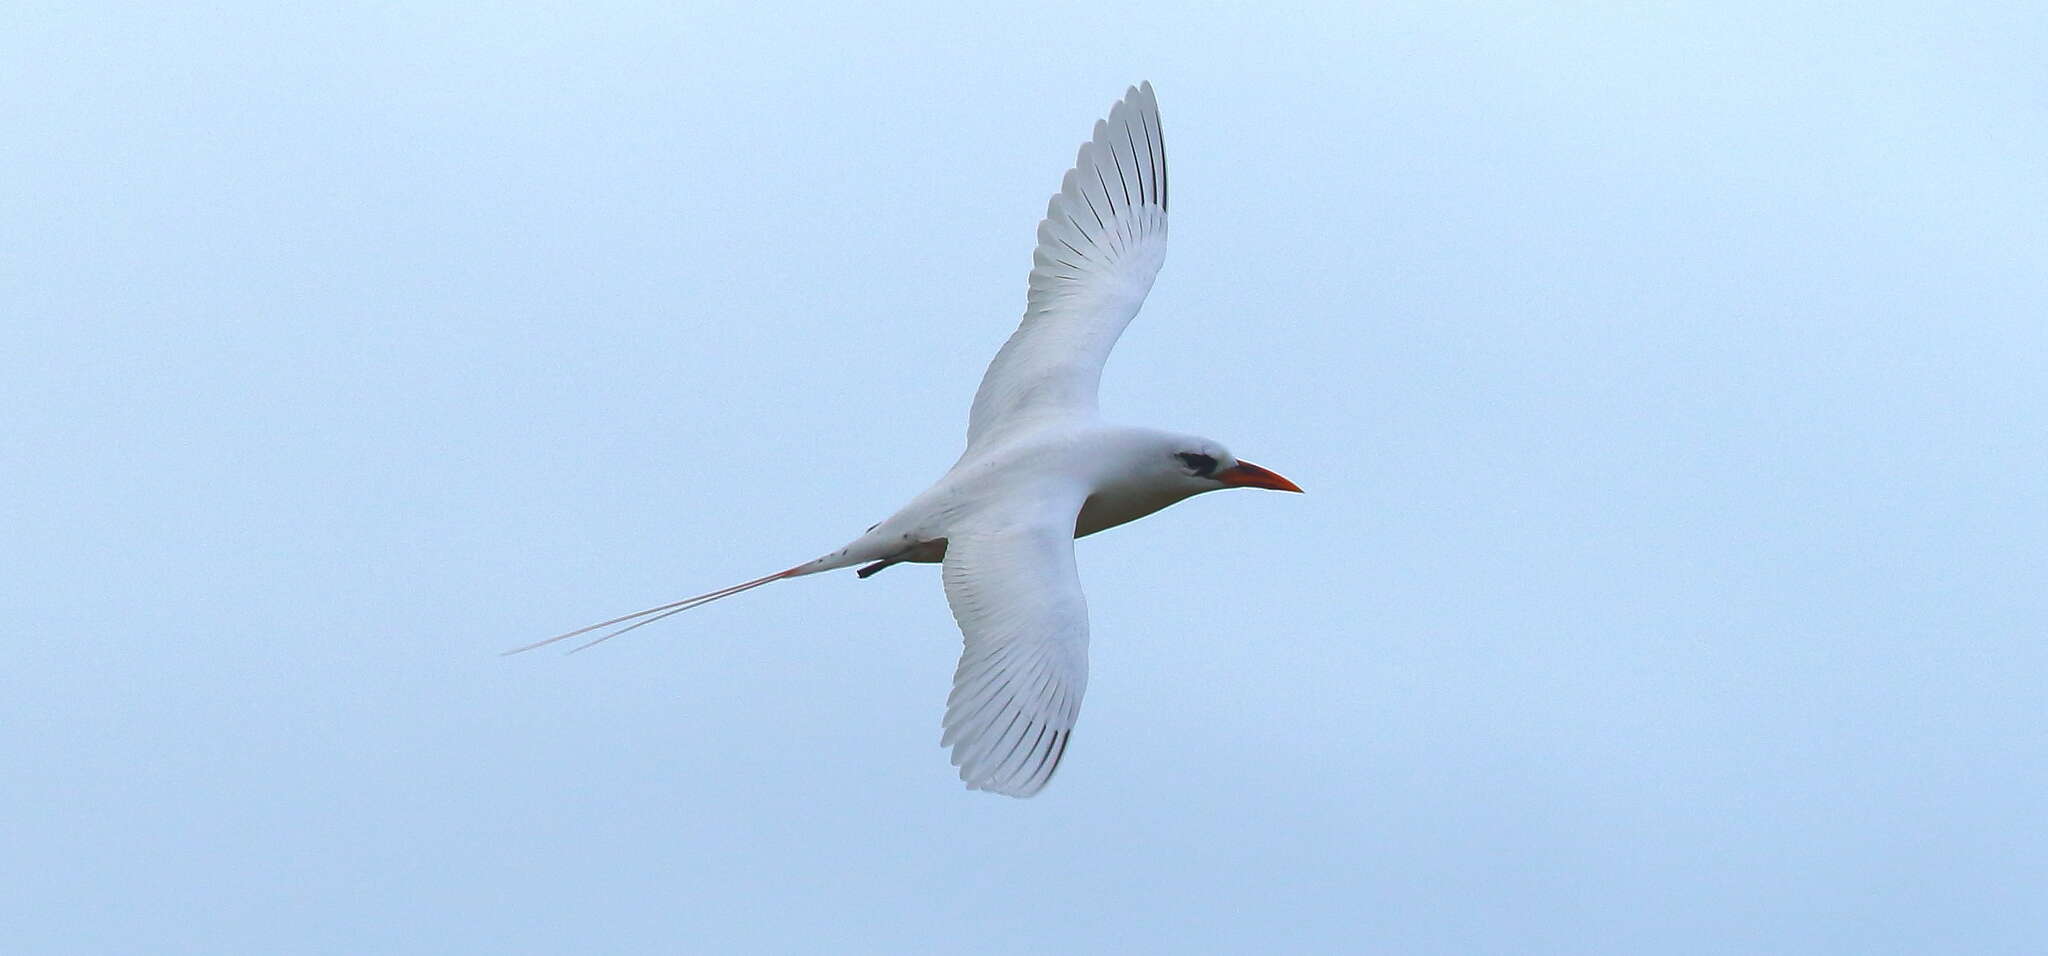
[{"x": 654, "y": 614}]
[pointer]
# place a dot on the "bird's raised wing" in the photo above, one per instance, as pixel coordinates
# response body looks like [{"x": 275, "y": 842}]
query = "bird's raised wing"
[
  {"x": 1099, "y": 247},
  {"x": 1016, "y": 595}
]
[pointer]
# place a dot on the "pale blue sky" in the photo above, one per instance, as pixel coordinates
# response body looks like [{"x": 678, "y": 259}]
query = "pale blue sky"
[{"x": 1668, "y": 387}]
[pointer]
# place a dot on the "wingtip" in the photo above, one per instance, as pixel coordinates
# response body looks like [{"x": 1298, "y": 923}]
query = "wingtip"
[{"x": 1025, "y": 792}]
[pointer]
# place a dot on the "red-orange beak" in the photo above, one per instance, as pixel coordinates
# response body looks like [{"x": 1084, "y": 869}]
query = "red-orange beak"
[{"x": 1248, "y": 475}]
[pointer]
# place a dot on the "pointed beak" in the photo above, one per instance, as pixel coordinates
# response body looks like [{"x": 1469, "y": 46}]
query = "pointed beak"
[{"x": 1248, "y": 475}]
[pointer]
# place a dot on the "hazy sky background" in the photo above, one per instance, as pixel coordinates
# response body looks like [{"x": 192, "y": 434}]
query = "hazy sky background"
[{"x": 1669, "y": 388}]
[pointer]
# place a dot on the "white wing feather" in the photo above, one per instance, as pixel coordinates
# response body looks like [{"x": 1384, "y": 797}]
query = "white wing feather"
[
  {"x": 1016, "y": 595},
  {"x": 1099, "y": 248}
]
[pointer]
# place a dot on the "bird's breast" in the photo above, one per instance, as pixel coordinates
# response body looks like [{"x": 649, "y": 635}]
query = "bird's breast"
[{"x": 1114, "y": 506}]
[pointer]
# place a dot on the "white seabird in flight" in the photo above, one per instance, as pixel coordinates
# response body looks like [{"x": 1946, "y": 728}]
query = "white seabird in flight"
[{"x": 1041, "y": 469}]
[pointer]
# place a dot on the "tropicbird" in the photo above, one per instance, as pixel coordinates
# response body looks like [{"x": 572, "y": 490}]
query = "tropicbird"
[{"x": 1041, "y": 468}]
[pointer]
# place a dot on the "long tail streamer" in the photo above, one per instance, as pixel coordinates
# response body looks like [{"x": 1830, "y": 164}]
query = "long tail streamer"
[{"x": 641, "y": 619}]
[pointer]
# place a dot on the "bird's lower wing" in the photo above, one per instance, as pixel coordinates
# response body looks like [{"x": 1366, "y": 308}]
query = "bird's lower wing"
[
  {"x": 1099, "y": 247},
  {"x": 1016, "y": 595}
]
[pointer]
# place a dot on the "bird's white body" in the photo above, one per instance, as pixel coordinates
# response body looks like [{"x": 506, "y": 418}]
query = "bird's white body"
[
  {"x": 1102, "y": 465},
  {"x": 1040, "y": 469}
]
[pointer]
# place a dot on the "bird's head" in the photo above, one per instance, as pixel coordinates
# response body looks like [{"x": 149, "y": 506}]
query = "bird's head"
[{"x": 1203, "y": 465}]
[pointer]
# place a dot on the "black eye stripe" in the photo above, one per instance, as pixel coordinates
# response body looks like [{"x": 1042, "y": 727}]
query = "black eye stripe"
[{"x": 1201, "y": 465}]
